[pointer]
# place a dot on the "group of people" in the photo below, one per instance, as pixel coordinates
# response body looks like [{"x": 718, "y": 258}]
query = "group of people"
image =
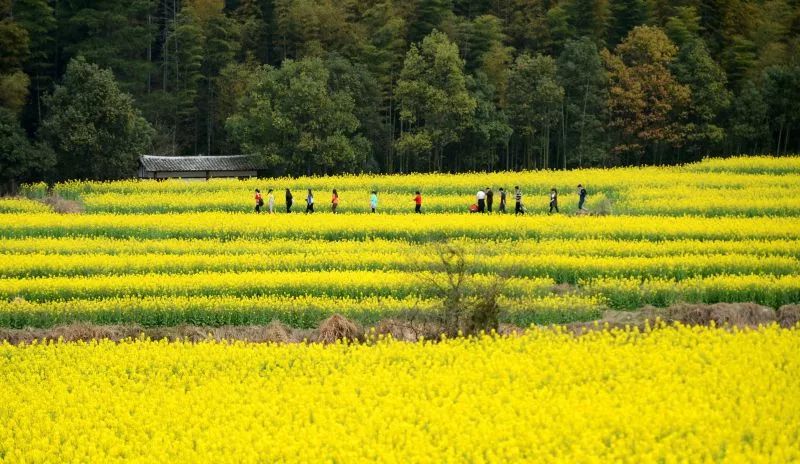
[
  {"x": 309, "y": 201},
  {"x": 484, "y": 201},
  {"x": 554, "y": 198}
]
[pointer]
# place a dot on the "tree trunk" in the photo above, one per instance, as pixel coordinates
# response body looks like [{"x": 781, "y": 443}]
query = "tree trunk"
[
  {"x": 786, "y": 139},
  {"x": 583, "y": 125}
]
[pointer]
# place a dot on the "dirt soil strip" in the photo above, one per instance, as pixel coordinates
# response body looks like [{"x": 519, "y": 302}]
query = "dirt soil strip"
[{"x": 338, "y": 327}]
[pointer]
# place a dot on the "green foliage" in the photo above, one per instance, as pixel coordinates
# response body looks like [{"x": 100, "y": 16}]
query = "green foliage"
[
  {"x": 433, "y": 97},
  {"x": 534, "y": 105},
  {"x": 294, "y": 119},
  {"x": 20, "y": 160},
  {"x": 580, "y": 70},
  {"x": 706, "y": 80},
  {"x": 93, "y": 126},
  {"x": 186, "y": 65}
]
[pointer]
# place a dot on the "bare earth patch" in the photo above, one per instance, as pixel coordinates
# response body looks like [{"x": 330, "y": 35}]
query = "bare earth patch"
[{"x": 338, "y": 327}]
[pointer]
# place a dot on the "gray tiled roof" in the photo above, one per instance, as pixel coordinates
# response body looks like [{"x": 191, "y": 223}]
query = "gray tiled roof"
[{"x": 200, "y": 163}]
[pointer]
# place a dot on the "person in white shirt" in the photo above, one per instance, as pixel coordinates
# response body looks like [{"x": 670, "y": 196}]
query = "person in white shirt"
[
  {"x": 270, "y": 201},
  {"x": 481, "y": 197}
]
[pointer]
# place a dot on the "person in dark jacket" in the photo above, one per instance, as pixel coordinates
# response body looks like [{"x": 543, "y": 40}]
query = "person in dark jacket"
[
  {"x": 289, "y": 201},
  {"x": 582, "y": 196},
  {"x": 553, "y": 200},
  {"x": 489, "y": 199},
  {"x": 502, "y": 207}
]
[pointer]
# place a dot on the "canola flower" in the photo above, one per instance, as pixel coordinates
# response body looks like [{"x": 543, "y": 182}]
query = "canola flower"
[
  {"x": 675, "y": 394},
  {"x": 712, "y": 187},
  {"x": 21, "y": 205},
  {"x": 409, "y": 227},
  {"x": 563, "y": 269},
  {"x": 303, "y": 311},
  {"x": 678, "y": 234}
]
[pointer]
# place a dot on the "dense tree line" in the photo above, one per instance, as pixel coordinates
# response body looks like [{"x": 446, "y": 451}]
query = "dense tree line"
[{"x": 324, "y": 86}]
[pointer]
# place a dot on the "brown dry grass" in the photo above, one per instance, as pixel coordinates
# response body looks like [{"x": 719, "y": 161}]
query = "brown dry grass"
[
  {"x": 63, "y": 206},
  {"x": 721, "y": 314},
  {"x": 789, "y": 316},
  {"x": 338, "y": 327}
]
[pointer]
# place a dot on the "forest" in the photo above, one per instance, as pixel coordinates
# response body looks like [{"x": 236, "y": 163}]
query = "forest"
[{"x": 326, "y": 87}]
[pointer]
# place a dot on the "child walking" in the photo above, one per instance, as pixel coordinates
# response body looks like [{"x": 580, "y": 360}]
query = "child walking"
[
  {"x": 334, "y": 201},
  {"x": 418, "y": 203},
  {"x": 373, "y": 200}
]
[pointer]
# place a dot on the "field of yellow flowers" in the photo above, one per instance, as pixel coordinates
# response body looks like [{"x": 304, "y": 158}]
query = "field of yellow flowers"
[
  {"x": 677, "y": 394},
  {"x": 161, "y": 254},
  {"x": 173, "y": 252}
]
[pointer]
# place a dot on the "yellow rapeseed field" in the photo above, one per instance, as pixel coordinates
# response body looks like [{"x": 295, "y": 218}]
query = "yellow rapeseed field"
[
  {"x": 672, "y": 395},
  {"x": 161, "y": 254}
]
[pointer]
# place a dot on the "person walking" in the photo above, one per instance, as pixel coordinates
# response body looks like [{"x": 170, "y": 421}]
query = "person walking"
[
  {"x": 489, "y": 199},
  {"x": 553, "y": 200},
  {"x": 259, "y": 201},
  {"x": 502, "y": 207},
  {"x": 289, "y": 201},
  {"x": 310, "y": 202},
  {"x": 518, "y": 198},
  {"x": 481, "y": 197},
  {"x": 271, "y": 201},
  {"x": 334, "y": 201},
  {"x": 418, "y": 203},
  {"x": 373, "y": 200},
  {"x": 581, "y": 196}
]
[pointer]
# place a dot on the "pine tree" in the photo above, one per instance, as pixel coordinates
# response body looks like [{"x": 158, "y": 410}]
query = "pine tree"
[
  {"x": 37, "y": 17},
  {"x": 626, "y": 15}
]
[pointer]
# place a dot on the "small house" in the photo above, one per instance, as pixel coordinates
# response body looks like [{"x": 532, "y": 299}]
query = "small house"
[{"x": 198, "y": 167}]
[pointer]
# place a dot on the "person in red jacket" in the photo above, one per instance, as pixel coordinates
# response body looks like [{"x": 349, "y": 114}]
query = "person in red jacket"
[
  {"x": 259, "y": 201},
  {"x": 418, "y": 202},
  {"x": 334, "y": 201}
]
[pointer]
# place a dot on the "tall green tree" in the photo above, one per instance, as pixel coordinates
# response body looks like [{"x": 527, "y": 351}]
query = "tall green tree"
[
  {"x": 114, "y": 34},
  {"x": 435, "y": 105},
  {"x": 293, "y": 119},
  {"x": 626, "y": 15},
  {"x": 748, "y": 121},
  {"x": 485, "y": 139},
  {"x": 706, "y": 80},
  {"x": 428, "y": 16},
  {"x": 94, "y": 127},
  {"x": 589, "y": 18},
  {"x": 534, "y": 106},
  {"x": 581, "y": 72},
  {"x": 782, "y": 94},
  {"x": 20, "y": 160},
  {"x": 14, "y": 53},
  {"x": 37, "y": 18}
]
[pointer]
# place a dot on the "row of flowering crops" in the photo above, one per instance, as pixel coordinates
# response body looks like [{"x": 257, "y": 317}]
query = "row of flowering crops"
[{"x": 161, "y": 254}]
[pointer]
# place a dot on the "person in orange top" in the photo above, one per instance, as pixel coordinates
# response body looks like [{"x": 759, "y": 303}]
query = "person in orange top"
[
  {"x": 259, "y": 201},
  {"x": 334, "y": 201},
  {"x": 418, "y": 202}
]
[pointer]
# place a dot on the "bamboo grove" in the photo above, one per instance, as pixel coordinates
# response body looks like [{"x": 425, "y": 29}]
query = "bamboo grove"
[{"x": 324, "y": 87}]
